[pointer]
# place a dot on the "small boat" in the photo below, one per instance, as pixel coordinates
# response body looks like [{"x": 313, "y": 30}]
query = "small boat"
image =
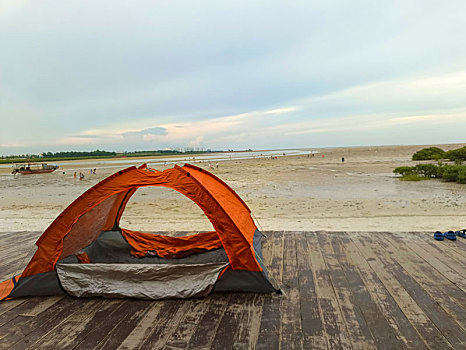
[{"x": 34, "y": 169}]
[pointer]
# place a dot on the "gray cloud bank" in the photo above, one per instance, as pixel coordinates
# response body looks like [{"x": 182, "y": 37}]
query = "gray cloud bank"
[
  {"x": 133, "y": 75},
  {"x": 139, "y": 136}
]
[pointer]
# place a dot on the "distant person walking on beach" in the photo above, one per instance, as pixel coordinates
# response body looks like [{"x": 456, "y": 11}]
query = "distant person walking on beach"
[{"x": 342, "y": 159}]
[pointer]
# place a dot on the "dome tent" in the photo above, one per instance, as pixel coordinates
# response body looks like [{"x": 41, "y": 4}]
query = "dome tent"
[{"x": 84, "y": 252}]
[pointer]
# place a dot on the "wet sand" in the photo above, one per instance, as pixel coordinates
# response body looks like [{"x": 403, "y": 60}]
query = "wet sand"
[{"x": 292, "y": 193}]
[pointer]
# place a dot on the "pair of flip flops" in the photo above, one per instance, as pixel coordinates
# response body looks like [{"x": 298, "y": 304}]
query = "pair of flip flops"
[{"x": 439, "y": 236}]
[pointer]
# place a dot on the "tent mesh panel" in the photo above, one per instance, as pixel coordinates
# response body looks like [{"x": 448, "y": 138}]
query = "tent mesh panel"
[{"x": 89, "y": 226}]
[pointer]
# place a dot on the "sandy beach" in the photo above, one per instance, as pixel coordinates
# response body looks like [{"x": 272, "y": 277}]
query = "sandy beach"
[{"x": 290, "y": 193}]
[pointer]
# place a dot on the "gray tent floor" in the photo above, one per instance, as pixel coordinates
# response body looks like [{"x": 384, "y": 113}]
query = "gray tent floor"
[
  {"x": 111, "y": 247},
  {"x": 343, "y": 290}
]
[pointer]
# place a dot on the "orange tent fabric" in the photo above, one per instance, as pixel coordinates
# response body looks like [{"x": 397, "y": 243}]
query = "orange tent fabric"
[
  {"x": 170, "y": 247},
  {"x": 83, "y": 258},
  {"x": 100, "y": 209},
  {"x": 7, "y": 286}
]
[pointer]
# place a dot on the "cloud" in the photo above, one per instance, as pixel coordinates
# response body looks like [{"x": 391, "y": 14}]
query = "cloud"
[
  {"x": 85, "y": 136},
  {"x": 201, "y": 133},
  {"x": 197, "y": 142},
  {"x": 148, "y": 134},
  {"x": 77, "y": 71},
  {"x": 375, "y": 107},
  {"x": 155, "y": 131},
  {"x": 372, "y": 122},
  {"x": 361, "y": 114},
  {"x": 281, "y": 110}
]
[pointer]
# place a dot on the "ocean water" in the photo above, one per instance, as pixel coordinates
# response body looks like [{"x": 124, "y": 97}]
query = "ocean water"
[{"x": 154, "y": 161}]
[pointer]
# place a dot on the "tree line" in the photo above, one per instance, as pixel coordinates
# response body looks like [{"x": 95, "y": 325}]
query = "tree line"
[{"x": 72, "y": 155}]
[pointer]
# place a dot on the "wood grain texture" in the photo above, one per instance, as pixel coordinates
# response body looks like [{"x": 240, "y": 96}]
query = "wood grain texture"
[{"x": 342, "y": 290}]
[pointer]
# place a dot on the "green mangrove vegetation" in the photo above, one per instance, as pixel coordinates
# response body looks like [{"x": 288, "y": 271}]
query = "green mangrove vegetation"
[
  {"x": 447, "y": 172},
  {"x": 435, "y": 153},
  {"x": 97, "y": 154},
  {"x": 431, "y": 153}
]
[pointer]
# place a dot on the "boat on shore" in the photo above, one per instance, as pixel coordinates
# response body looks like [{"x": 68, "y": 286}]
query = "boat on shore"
[{"x": 34, "y": 169}]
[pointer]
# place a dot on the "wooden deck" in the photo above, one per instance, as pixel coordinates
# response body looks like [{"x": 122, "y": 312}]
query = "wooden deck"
[{"x": 343, "y": 291}]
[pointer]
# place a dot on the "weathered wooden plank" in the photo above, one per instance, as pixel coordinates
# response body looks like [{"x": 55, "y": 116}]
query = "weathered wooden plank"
[
  {"x": 443, "y": 322},
  {"x": 9, "y": 271},
  {"x": 412, "y": 250},
  {"x": 248, "y": 329},
  {"x": 387, "y": 280},
  {"x": 171, "y": 347},
  {"x": 442, "y": 265},
  {"x": 290, "y": 306},
  {"x": 7, "y": 305},
  {"x": 67, "y": 334},
  {"x": 119, "y": 333},
  {"x": 267, "y": 247},
  {"x": 434, "y": 252},
  {"x": 229, "y": 324},
  {"x": 11, "y": 239},
  {"x": 29, "y": 307},
  {"x": 164, "y": 325},
  {"x": 4, "y": 236},
  {"x": 109, "y": 329},
  {"x": 334, "y": 325},
  {"x": 454, "y": 249},
  {"x": 270, "y": 327},
  {"x": 413, "y": 312},
  {"x": 269, "y": 331},
  {"x": 205, "y": 331},
  {"x": 381, "y": 334},
  {"x": 358, "y": 331},
  {"x": 432, "y": 287},
  {"x": 397, "y": 320},
  {"x": 276, "y": 257},
  {"x": 249, "y": 326},
  {"x": 461, "y": 244},
  {"x": 311, "y": 315},
  {"x": 19, "y": 241},
  {"x": 15, "y": 253},
  {"x": 182, "y": 334},
  {"x": 23, "y": 331},
  {"x": 17, "y": 245},
  {"x": 14, "y": 264},
  {"x": 20, "y": 250},
  {"x": 14, "y": 260},
  {"x": 139, "y": 334}
]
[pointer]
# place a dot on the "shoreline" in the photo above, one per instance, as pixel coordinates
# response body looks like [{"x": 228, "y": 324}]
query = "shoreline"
[
  {"x": 5, "y": 168},
  {"x": 172, "y": 159},
  {"x": 289, "y": 193}
]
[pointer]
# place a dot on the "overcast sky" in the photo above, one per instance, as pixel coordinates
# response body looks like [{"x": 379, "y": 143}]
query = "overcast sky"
[{"x": 139, "y": 75}]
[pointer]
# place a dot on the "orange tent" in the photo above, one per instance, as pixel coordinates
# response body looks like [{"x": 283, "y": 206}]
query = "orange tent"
[{"x": 84, "y": 252}]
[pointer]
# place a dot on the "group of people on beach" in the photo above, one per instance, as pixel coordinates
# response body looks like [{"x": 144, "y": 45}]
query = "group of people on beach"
[{"x": 81, "y": 175}]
